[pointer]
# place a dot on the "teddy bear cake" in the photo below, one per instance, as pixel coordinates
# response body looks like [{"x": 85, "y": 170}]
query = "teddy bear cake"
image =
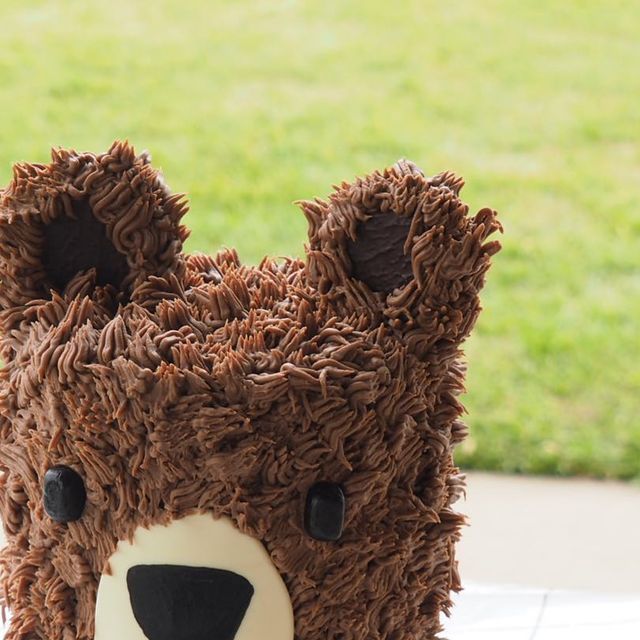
[{"x": 196, "y": 449}]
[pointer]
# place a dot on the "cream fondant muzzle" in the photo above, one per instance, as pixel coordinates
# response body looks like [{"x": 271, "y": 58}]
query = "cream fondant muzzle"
[{"x": 209, "y": 556}]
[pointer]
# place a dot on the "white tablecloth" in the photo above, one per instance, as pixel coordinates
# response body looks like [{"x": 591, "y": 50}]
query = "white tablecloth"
[{"x": 515, "y": 613}]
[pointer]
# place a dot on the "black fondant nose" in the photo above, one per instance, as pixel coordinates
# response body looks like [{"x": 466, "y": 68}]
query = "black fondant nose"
[{"x": 172, "y": 602}]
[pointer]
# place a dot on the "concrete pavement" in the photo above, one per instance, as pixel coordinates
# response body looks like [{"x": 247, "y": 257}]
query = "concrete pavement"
[{"x": 551, "y": 533}]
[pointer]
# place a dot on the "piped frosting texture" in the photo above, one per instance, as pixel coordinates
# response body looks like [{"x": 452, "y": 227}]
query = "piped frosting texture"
[{"x": 197, "y": 384}]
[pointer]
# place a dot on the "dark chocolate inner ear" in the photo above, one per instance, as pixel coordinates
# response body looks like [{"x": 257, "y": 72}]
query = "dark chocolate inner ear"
[
  {"x": 73, "y": 245},
  {"x": 377, "y": 255}
]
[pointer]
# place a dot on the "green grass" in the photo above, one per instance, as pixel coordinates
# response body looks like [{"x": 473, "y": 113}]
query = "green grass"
[{"x": 248, "y": 106}]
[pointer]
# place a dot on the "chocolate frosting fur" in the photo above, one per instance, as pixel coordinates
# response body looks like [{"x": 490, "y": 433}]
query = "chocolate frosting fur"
[{"x": 178, "y": 384}]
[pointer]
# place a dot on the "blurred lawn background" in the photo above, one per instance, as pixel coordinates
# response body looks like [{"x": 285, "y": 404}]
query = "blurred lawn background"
[{"x": 248, "y": 106}]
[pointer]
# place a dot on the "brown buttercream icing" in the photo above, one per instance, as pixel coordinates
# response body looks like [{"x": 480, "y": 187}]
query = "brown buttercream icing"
[{"x": 177, "y": 384}]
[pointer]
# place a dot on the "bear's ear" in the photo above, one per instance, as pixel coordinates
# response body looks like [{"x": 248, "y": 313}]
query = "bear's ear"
[
  {"x": 92, "y": 224},
  {"x": 400, "y": 248}
]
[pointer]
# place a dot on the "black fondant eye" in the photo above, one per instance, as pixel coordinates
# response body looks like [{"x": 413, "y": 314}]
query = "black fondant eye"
[
  {"x": 324, "y": 511},
  {"x": 64, "y": 494}
]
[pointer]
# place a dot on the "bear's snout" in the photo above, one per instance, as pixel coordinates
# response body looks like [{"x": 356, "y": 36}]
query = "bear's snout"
[
  {"x": 194, "y": 578},
  {"x": 173, "y": 602}
]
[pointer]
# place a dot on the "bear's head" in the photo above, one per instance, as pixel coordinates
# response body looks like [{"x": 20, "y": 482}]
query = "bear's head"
[{"x": 194, "y": 448}]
